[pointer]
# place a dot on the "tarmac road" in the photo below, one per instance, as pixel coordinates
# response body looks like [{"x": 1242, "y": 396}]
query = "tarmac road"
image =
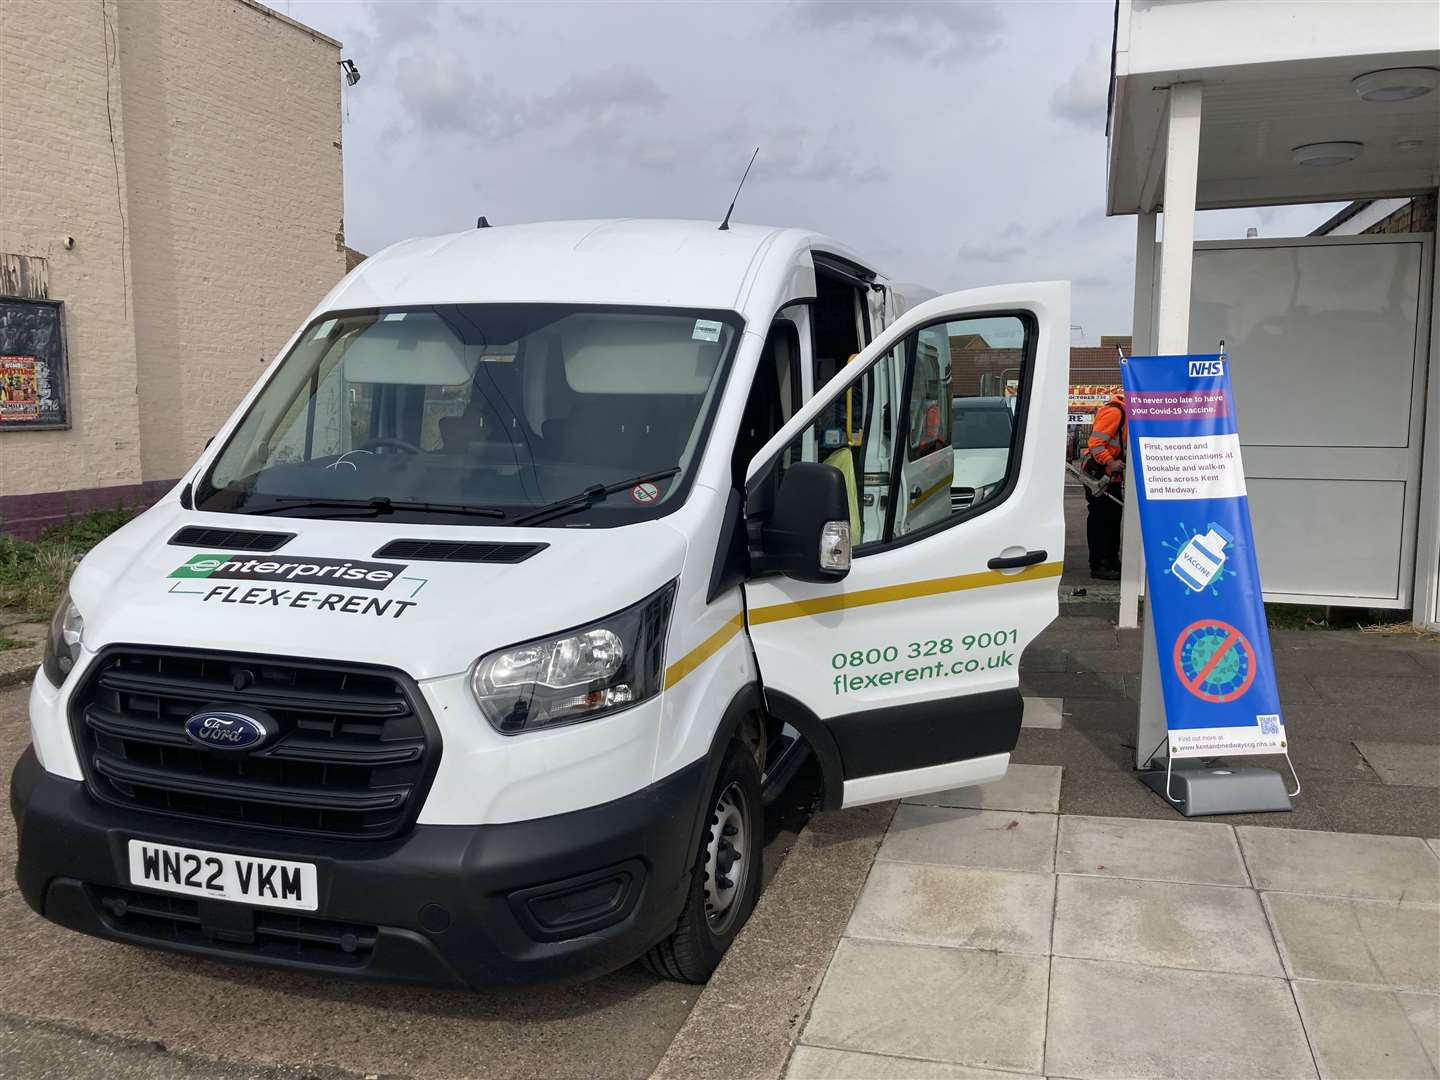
[{"x": 74, "y": 1006}]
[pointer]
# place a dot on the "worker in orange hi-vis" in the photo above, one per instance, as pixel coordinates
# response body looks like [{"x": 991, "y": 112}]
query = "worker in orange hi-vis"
[{"x": 1105, "y": 457}]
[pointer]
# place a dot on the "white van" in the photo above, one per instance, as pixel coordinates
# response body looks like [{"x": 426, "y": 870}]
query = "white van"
[{"x": 465, "y": 651}]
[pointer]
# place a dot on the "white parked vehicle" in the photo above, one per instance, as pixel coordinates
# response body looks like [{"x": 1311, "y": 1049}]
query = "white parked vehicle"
[
  {"x": 466, "y": 650},
  {"x": 982, "y": 434}
]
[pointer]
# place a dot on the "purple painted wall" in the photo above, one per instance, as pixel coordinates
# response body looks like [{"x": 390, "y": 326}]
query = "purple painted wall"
[{"x": 26, "y": 515}]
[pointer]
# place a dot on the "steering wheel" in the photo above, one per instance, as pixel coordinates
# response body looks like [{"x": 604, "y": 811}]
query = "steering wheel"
[{"x": 393, "y": 443}]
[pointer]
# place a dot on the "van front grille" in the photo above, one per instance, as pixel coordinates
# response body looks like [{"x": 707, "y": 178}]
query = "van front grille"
[
  {"x": 252, "y": 932},
  {"x": 353, "y": 757}
]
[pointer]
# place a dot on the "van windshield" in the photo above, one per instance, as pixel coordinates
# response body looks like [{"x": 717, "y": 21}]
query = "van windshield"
[
  {"x": 472, "y": 411},
  {"x": 982, "y": 425}
]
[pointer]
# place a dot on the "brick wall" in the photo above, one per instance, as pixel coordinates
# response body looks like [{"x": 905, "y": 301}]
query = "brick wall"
[
  {"x": 1418, "y": 215},
  {"x": 227, "y": 151},
  {"x": 58, "y": 178},
  {"x": 235, "y": 205}
]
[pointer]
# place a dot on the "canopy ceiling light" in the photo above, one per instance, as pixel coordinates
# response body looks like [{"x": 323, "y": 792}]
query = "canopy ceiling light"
[
  {"x": 1327, "y": 153},
  {"x": 1396, "y": 84}
]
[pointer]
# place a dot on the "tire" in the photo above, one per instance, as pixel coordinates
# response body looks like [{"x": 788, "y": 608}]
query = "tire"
[{"x": 712, "y": 916}]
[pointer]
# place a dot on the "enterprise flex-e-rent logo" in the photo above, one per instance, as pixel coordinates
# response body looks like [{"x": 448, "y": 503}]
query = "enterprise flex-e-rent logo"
[{"x": 299, "y": 575}]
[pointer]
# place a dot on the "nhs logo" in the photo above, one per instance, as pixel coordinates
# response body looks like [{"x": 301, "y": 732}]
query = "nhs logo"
[{"x": 1199, "y": 368}]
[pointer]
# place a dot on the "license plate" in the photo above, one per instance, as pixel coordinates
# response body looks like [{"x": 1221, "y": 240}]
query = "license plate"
[{"x": 218, "y": 875}]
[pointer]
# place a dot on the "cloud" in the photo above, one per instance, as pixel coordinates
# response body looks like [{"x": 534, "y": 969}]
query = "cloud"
[
  {"x": 1082, "y": 98},
  {"x": 791, "y": 153},
  {"x": 928, "y": 31},
  {"x": 989, "y": 253},
  {"x": 442, "y": 93}
]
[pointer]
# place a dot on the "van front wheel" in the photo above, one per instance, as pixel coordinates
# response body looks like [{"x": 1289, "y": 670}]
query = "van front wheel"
[{"x": 726, "y": 878}]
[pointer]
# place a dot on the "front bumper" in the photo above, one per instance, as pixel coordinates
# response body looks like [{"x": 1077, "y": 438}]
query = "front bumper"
[{"x": 481, "y": 906}]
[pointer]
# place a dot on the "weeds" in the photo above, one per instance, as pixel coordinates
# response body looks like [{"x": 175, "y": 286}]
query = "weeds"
[{"x": 33, "y": 575}]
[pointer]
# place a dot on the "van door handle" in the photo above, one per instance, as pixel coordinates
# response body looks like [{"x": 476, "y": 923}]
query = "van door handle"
[
  {"x": 1014, "y": 562},
  {"x": 916, "y": 492}
]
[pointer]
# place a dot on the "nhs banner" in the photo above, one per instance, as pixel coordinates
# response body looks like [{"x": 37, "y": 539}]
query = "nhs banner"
[{"x": 1203, "y": 600}]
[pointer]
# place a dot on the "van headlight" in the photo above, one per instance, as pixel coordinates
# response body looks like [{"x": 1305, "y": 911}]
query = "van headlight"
[
  {"x": 62, "y": 642},
  {"x": 591, "y": 671}
]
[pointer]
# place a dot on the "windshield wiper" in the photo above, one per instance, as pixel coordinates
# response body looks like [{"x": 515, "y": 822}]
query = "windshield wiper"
[
  {"x": 583, "y": 500},
  {"x": 377, "y": 506}
]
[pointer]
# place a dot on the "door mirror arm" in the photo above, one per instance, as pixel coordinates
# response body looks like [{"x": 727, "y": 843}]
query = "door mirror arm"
[{"x": 806, "y": 534}]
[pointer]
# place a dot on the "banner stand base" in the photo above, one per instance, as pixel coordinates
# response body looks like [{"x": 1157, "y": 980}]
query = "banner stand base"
[{"x": 1197, "y": 791}]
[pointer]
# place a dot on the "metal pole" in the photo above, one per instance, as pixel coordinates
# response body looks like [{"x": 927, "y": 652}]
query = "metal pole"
[{"x": 1172, "y": 323}]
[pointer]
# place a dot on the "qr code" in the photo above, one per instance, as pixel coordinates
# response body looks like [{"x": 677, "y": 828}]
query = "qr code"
[{"x": 1269, "y": 724}]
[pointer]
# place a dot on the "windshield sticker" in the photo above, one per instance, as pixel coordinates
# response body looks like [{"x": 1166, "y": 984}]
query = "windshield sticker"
[
  {"x": 644, "y": 493},
  {"x": 706, "y": 330}
]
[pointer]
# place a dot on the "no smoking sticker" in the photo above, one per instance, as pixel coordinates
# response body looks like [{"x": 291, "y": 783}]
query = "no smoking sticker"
[{"x": 644, "y": 493}]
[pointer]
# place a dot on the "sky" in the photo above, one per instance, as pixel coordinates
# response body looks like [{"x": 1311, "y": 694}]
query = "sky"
[{"x": 952, "y": 144}]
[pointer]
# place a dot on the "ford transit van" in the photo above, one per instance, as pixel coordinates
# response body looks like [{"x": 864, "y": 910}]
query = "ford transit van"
[{"x": 466, "y": 650}]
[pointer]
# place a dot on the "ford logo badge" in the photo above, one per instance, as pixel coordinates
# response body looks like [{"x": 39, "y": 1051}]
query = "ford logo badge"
[{"x": 229, "y": 729}]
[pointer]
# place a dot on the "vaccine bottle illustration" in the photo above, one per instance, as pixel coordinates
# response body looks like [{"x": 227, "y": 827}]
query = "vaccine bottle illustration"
[{"x": 1201, "y": 558}]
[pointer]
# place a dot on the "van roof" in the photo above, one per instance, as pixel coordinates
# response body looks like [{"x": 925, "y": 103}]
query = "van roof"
[{"x": 625, "y": 261}]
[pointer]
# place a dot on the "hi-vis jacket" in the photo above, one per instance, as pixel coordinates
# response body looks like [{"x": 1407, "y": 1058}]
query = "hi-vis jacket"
[{"x": 1107, "y": 437}]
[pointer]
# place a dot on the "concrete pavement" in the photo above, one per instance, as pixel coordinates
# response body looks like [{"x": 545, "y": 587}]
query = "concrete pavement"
[{"x": 1014, "y": 940}]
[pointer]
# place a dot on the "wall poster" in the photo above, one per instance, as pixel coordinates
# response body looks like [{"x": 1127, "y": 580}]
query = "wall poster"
[{"x": 34, "y": 379}]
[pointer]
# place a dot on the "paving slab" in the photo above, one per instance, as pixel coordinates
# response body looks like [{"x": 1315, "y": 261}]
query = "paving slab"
[
  {"x": 993, "y": 839},
  {"x": 1096, "y": 713},
  {"x": 1376, "y": 942},
  {"x": 1164, "y": 924},
  {"x": 1194, "y": 852},
  {"x": 950, "y": 905},
  {"x": 1340, "y": 864},
  {"x": 1076, "y": 749},
  {"x": 1314, "y": 757},
  {"x": 1377, "y": 809},
  {"x": 1121, "y": 660},
  {"x": 1108, "y": 793},
  {"x": 1045, "y": 658},
  {"x": 1420, "y": 692},
  {"x": 1404, "y": 764},
  {"x": 1125, "y": 1020},
  {"x": 1315, "y": 657},
  {"x": 1358, "y": 1032},
  {"x": 1069, "y": 685},
  {"x": 748, "y": 1017},
  {"x": 1043, "y": 712},
  {"x": 1380, "y": 717},
  {"x": 1035, "y": 788},
  {"x": 1435, "y": 847},
  {"x": 985, "y": 1009},
  {"x": 819, "y": 1063}
]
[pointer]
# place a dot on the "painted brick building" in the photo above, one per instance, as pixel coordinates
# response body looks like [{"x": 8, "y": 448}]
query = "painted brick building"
[{"x": 170, "y": 174}]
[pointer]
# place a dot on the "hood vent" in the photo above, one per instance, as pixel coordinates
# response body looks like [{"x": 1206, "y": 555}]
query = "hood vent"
[
  {"x": 230, "y": 539},
  {"x": 449, "y": 551}
]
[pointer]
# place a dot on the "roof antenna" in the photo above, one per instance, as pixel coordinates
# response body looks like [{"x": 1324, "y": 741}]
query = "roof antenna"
[
  {"x": 482, "y": 222},
  {"x": 725, "y": 225}
]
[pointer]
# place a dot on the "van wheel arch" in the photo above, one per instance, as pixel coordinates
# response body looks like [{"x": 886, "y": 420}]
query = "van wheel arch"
[
  {"x": 812, "y": 729},
  {"x": 753, "y": 705}
]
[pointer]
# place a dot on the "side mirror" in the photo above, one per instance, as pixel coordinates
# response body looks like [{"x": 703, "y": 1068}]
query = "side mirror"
[{"x": 808, "y": 534}]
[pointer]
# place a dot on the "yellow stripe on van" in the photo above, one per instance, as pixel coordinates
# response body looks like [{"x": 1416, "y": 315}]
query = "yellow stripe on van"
[
  {"x": 912, "y": 590},
  {"x": 702, "y": 652},
  {"x": 934, "y": 489},
  {"x": 863, "y": 598}
]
